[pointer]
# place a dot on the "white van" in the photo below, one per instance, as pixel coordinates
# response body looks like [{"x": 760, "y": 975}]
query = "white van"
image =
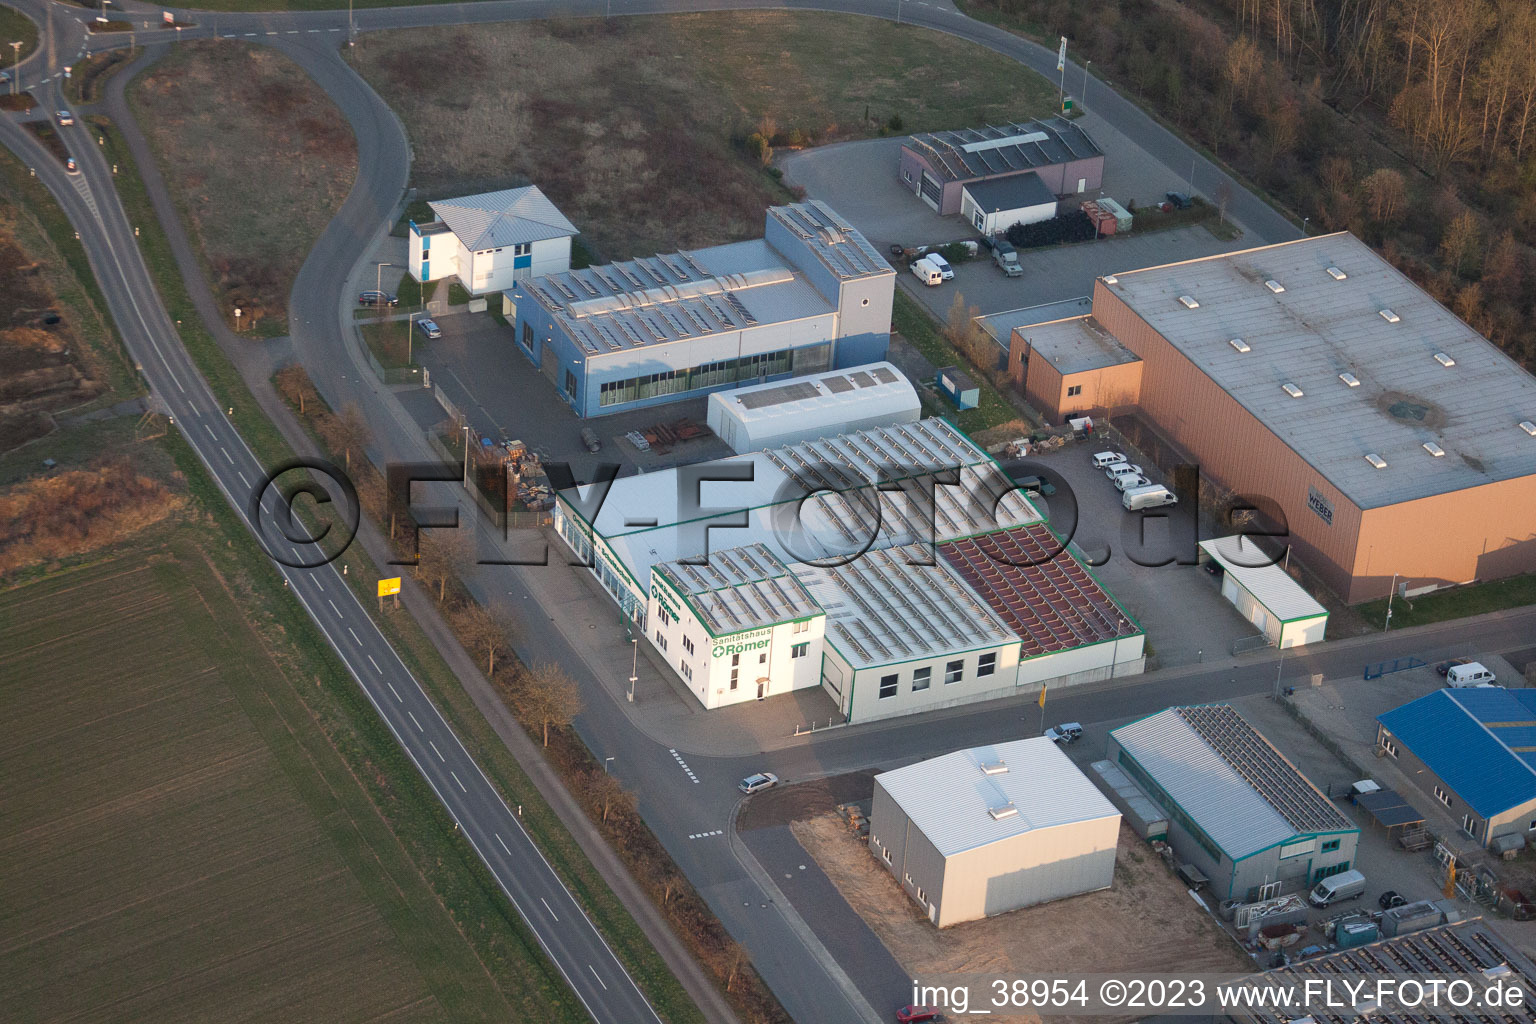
[
  {"x": 1104, "y": 460},
  {"x": 1130, "y": 481},
  {"x": 1151, "y": 496},
  {"x": 1346, "y": 885},
  {"x": 926, "y": 272},
  {"x": 943, "y": 264},
  {"x": 1122, "y": 469},
  {"x": 1473, "y": 673}
]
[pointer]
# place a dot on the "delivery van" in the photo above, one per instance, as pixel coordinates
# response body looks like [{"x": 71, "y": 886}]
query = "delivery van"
[
  {"x": 1473, "y": 673},
  {"x": 1104, "y": 460},
  {"x": 1151, "y": 496},
  {"x": 926, "y": 272},
  {"x": 1346, "y": 885}
]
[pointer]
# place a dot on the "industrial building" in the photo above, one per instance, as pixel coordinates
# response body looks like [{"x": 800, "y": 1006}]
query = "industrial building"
[
  {"x": 1239, "y": 812},
  {"x": 938, "y": 166},
  {"x": 492, "y": 240},
  {"x": 1265, "y": 594},
  {"x": 1471, "y": 750},
  {"x": 811, "y": 295},
  {"x": 762, "y": 416},
  {"x": 983, "y": 831},
  {"x": 994, "y": 205},
  {"x": 1392, "y": 442},
  {"x": 844, "y": 562}
]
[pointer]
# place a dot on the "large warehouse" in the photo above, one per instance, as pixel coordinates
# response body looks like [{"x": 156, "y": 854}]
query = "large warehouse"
[
  {"x": 984, "y": 831},
  {"x": 892, "y": 591},
  {"x": 1395, "y": 441},
  {"x": 1471, "y": 749},
  {"x": 492, "y": 240},
  {"x": 811, "y": 295},
  {"x": 938, "y": 166},
  {"x": 1238, "y": 810},
  {"x": 763, "y": 416}
]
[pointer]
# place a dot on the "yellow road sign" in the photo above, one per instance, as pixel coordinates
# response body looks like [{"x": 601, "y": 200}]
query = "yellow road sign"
[{"x": 389, "y": 586}]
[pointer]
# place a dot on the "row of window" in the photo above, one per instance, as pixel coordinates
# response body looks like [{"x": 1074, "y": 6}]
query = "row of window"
[
  {"x": 520, "y": 249},
  {"x": 724, "y": 371},
  {"x": 922, "y": 678}
]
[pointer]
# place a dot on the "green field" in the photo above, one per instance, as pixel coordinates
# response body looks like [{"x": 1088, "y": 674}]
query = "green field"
[{"x": 179, "y": 841}]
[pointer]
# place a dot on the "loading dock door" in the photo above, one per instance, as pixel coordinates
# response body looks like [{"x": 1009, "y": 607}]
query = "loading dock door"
[{"x": 930, "y": 190}]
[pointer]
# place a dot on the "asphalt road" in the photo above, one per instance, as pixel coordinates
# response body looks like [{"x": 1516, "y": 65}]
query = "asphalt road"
[{"x": 562, "y": 929}]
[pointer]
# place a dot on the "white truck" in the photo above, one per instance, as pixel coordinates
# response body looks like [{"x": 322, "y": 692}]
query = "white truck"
[{"x": 1007, "y": 259}]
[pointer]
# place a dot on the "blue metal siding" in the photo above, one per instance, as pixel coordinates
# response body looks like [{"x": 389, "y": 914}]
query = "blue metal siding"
[
  {"x": 860, "y": 349},
  {"x": 1443, "y": 730}
]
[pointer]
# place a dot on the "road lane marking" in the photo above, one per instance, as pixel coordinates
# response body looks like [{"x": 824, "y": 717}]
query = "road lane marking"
[
  {"x": 375, "y": 665},
  {"x": 594, "y": 974},
  {"x": 393, "y": 690},
  {"x": 226, "y": 454},
  {"x": 243, "y": 480},
  {"x": 684, "y": 766},
  {"x": 439, "y": 753},
  {"x": 456, "y": 779},
  {"x": 355, "y": 636},
  {"x": 414, "y": 722},
  {"x": 333, "y": 607},
  {"x": 549, "y": 908},
  {"x": 706, "y": 835},
  {"x": 502, "y": 841},
  {"x": 319, "y": 584},
  {"x": 210, "y": 432}
]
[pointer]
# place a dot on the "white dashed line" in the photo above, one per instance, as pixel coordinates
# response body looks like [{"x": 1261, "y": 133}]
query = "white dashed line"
[
  {"x": 684, "y": 766},
  {"x": 243, "y": 480},
  {"x": 502, "y": 842},
  {"x": 210, "y": 432},
  {"x": 375, "y": 665},
  {"x": 456, "y": 779},
  {"x": 354, "y": 635},
  {"x": 393, "y": 690},
  {"x": 594, "y": 974},
  {"x": 439, "y": 753},
  {"x": 414, "y": 722},
  {"x": 226, "y": 454},
  {"x": 549, "y": 908},
  {"x": 333, "y": 607}
]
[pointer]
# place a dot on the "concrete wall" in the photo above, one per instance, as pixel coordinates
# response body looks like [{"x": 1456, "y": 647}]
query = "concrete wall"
[
  {"x": 494, "y": 270},
  {"x": 1039, "y": 866},
  {"x": 441, "y": 252},
  {"x": 1000, "y": 221},
  {"x": 1045, "y": 387}
]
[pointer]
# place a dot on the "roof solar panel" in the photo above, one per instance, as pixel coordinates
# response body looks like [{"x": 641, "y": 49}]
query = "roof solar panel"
[
  {"x": 793, "y": 392},
  {"x": 837, "y": 385}
]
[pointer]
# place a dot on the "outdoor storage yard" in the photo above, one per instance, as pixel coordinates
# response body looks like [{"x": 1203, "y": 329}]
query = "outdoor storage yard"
[{"x": 1145, "y": 923}]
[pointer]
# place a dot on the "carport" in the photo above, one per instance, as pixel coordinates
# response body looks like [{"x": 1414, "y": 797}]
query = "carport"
[
  {"x": 1389, "y": 810},
  {"x": 1265, "y": 594}
]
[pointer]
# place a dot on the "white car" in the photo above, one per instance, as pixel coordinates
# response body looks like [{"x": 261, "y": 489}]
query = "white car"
[
  {"x": 943, "y": 264},
  {"x": 1066, "y": 732},
  {"x": 755, "y": 783},
  {"x": 1126, "y": 481},
  {"x": 1103, "y": 460},
  {"x": 1123, "y": 469},
  {"x": 65, "y": 118}
]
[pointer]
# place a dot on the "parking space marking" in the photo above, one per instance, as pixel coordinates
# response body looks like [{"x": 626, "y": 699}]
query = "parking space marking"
[
  {"x": 684, "y": 766},
  {"x": 706, "y": 835}
]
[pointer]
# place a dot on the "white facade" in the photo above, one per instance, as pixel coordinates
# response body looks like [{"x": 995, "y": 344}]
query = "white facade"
[
  {"x": 995, "y": 222},
  {"x": 491, "y": 241},
  {"x": 1265, "y": 594},
  {"x": 983, "y": 831},
  {"x": 774, "y": 415}
]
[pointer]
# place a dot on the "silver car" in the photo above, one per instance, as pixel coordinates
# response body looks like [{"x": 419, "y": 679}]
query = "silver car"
[{"x": 760, "y": 781}]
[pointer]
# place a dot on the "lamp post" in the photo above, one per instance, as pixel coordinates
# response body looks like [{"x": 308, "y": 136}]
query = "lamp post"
[
  {"x": 634, "y": 665},
  {"x": 410, "y": 337},
  {"x": 605, "y": 764},
  {"x": 378, "y": 278},
  {"x": 1304, "y": 226},
  {"x": 1085, "y": 83},
  {"x": 466, "y": 455},
  {"x": 1388, "y": 624},
  {"x": 15, "y": 66}
]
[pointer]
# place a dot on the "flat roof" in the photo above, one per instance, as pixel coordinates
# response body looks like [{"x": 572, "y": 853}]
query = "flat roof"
[
  {"x": 840, "y": 246},
  {"x": 951, "y": 799},
  {"x": 1242, "y": 792},
  {"x": 1000, "y": 325},
  {"x": 1274, "y": 588},
  {"x": 1424, "y": 376},
  {"x": 1076, "y": 345},
  {"x": 510, "y": 217},
  {"x": 999, "y": 149},
  {"x": 740, "y": 589},
  {"x": 1480, "y": 741},
  {"x": 1013, "y": 192},
  {"x": 831, "y": 398}
]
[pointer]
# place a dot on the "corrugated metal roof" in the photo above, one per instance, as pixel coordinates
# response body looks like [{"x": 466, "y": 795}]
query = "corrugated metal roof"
[
  {"x": 998, "y": 149},
  {"x": 1197, "y": 763},
  {"x": 1466, "y": 738},
  {"x": 822, "y": 402},
  {"x": 1260, "y": 576},
  {"x": 510, "y": 217},
  {"x": 949, "y": 798}
]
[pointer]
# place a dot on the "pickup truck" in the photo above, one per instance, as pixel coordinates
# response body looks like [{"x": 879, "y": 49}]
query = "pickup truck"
[{"x": 1007, "y": 259}]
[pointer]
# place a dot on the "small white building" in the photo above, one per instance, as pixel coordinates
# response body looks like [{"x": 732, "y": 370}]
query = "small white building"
[
  {"x": 492, "y": 240},
  {"x": 767, "y": 416},
  {"x": 994, "y": 205},
  {"x": 983, "y": 831},
  {"x": 1265, "y": 594}
]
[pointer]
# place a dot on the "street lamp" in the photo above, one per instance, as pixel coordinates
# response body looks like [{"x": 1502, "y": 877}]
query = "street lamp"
[
  {"x": 634, "y": 666},
  {"x": 1085, "y": 83},
  {"x": 1388, "y": 624},
  {"x": 410, "y": 337},
  {"x": 1304, "y": 225},
  {"x": 378, "y": 278},
  {"x": 15, "y": 66},
  {"x": 605, "y": 764},
  {"x": 466, "y": 455}
]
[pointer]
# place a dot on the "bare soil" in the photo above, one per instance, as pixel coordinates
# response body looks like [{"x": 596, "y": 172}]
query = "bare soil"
[{"x": 1146, "y": 922}]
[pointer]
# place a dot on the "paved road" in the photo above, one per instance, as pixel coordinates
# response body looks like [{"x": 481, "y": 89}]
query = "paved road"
[{"x": 562, "y": 929}]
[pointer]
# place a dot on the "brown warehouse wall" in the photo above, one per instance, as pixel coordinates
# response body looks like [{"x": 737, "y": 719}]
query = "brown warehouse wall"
[{"x": 1110, "y": 387}]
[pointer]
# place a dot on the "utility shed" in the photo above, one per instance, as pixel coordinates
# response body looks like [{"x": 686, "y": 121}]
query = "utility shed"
[
  {"x": 987, "y": 830},
  {"x": 1265, "y": 594},
  {"x": 764, "y": 416},
  {"x": 994, "y": 205}
]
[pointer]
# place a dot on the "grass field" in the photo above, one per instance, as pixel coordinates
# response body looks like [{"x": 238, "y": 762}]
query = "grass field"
[
  {"x": 237, "y": 120},
  {"x": 635, "y": 126},
  {"x": 16, "y": 27},
  {"x": 1456, "y": 603},
  {"x": 160, "y": 860}
]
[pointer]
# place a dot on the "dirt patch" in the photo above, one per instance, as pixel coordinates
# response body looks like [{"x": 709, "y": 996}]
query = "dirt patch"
[
  {"x": 1146, "y": 922},
  {"x": 258, "y": 159}
]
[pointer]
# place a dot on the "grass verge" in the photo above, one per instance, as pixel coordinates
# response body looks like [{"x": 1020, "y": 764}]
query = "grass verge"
[
  {"x": 16, "y": 27},
  {"x": 914, "y": 324},
  {"x": 1456, "y": 603}
]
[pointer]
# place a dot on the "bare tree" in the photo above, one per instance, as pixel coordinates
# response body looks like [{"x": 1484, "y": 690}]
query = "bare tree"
[
  {"x": 1462, "y": 237},
  {"x": 1223, "y": 200},
  {"x": 352, "y": 431},
  {"x": 546, "y": 695},
  {"x": 294, "y": 384},
  {"x": 1385, "y": 194},
  {"x": 608, "y": 793},
  {"x": 487, "y": 631},
  {"x": 444, "y": 554}
]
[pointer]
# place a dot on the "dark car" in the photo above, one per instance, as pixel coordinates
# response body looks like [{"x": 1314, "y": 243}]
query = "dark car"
[
  {"x": 988, "y": 243},
  {"x": 1445, "y": 667},
  {"x": 1390, "y": 899},
  {"x": 377, "y": 299},
  {"x": 1180, "y": 200}
]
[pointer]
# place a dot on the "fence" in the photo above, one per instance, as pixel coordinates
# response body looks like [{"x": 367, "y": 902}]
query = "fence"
[
  {"x": 1383, "y": 668},
  {"x": 1258, "y": 641},
  {"x": 397, "y": 375}
]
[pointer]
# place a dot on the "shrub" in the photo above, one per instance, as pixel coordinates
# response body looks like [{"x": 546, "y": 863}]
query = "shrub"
[
  {"x": 1075, "y": 226},
  {"x": 895, "y": 124}
]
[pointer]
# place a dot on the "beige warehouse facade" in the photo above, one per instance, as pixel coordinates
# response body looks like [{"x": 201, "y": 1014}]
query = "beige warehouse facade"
[{"x": 983, "y": 831}]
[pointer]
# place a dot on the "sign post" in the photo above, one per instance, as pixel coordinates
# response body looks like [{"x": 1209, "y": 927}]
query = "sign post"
[
  {"x": 1061, "y": 67},
  {"x": 388, "y": 588},
  {"x": 1042, "y": 707}
]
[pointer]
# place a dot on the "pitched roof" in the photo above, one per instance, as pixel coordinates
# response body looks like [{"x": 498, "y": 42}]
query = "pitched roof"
[
  {"x": 510, "y": 217},
  {"x": 1481, "y": 742},
  {"x": 999, "y": 149}
]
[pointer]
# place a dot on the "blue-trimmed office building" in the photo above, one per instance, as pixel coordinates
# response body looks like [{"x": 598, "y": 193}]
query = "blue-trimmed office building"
[
  {"x": 1471, "y": 750},
  {"x": 1238, "y": 810},
  {"x": 811, "y": 295}
]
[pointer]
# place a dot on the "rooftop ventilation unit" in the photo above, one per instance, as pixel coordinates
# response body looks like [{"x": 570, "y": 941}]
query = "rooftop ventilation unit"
[
  {"x": 1336, "y": 274},
  {"x": 1444, "y": 360},
  {"x": 1188, "y": 302},
  {"x": 1350, "y": 379},
  {"x": 1292, "y": 390},
  {"x": 1376, "y": 460},
  {"x": 1240, "y": 345},
  {"x": 1389, "y": 316},
  {"x": 1274, "y": 286},
  {"x": 1433, "y": 449},
  {"x": 1005, "y": 811},
  {"x": 994, "y": 768},
  {"x": 1111, "y": 279},
  {"x": 1528, "y": 427}
]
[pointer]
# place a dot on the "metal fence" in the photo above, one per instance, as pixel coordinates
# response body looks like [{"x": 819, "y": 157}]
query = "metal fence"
[
  {"x": 397, "y": 375},
  {"x": 1244, "y": 644}
]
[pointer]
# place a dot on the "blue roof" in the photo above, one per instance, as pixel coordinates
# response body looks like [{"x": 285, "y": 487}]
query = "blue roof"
[{"x": 1480, "y": 741}]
